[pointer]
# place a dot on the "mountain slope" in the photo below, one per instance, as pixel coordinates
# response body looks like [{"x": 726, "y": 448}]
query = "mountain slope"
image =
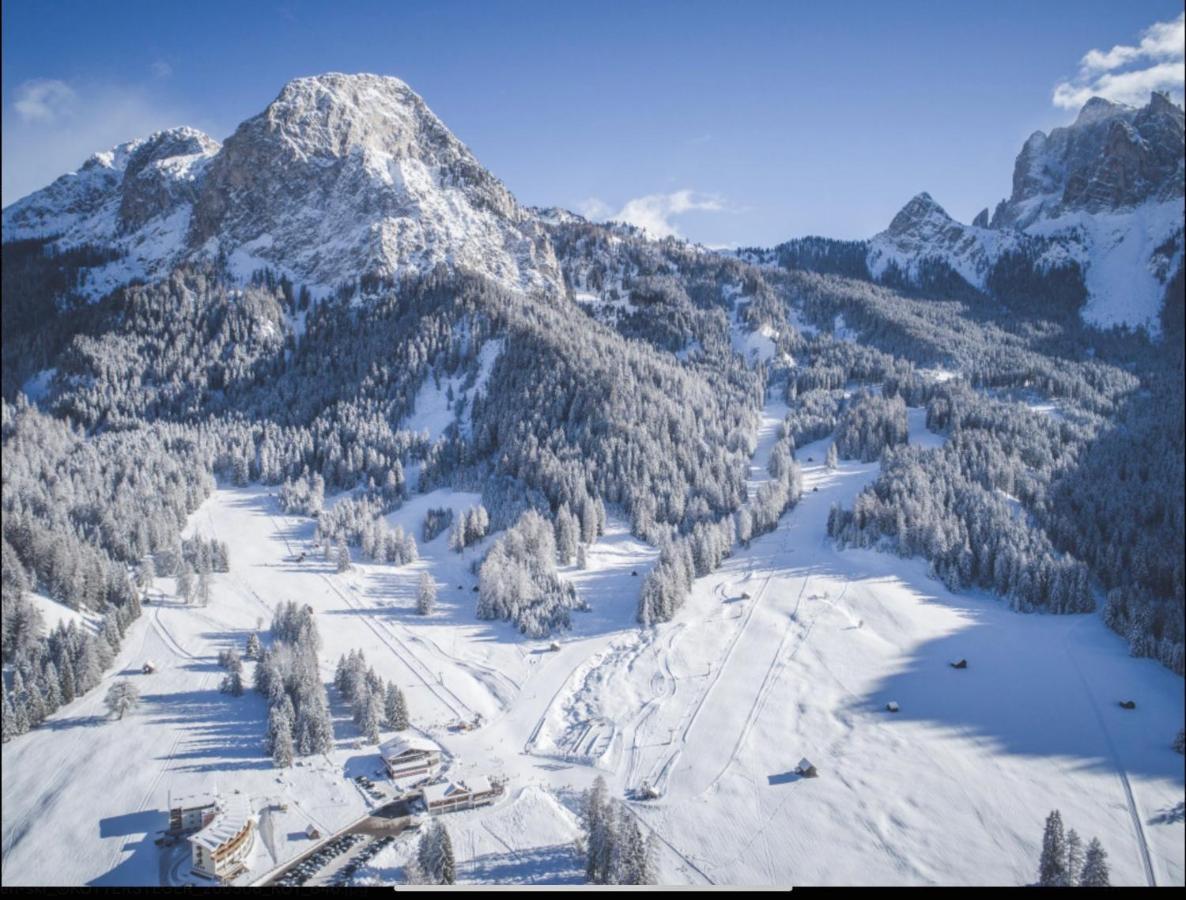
[
  {"x": 341, "y": 175},
  {"x": 1094, "y": 224}
]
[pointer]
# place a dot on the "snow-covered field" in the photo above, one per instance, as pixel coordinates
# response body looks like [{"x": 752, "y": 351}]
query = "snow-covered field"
[{"x": 792, "y": 649}]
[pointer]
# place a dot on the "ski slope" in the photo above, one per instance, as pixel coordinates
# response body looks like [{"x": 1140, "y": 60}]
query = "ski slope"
[{"x": 714, "y": 709}]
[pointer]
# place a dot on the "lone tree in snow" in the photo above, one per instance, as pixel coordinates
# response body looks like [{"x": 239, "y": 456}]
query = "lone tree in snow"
[
  {"x": 253, "y": 646},
  {"x": 122, "y": 697},
  {"x": 831, "y": 460},
  {"x": 1095, "y": 866},
  {"x": 426, "y": 595}
]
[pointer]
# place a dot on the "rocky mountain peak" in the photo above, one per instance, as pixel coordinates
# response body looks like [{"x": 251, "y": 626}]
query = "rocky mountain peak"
[
  {"x": 920, "y": 212},
  {"x": 343, "y": 174},
  {"x": 1112, "y": 157}
]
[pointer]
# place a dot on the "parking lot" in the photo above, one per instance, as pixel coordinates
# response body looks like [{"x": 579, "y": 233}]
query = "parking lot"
[{"x": 334, "y": 862}]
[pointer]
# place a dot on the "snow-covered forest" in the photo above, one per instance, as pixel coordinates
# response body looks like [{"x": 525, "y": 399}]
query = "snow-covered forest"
[{"x": 531, "y": 526}]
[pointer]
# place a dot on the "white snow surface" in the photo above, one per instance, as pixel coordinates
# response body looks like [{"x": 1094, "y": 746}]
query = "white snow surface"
[{"x": 714, "y": 709}]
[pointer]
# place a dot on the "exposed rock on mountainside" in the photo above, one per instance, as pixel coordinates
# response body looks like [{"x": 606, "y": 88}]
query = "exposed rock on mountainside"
[
  {"x": 1102, "y": 196},
  {"x": 341, "y": 175},
  {"x": 344, "y": 174}
]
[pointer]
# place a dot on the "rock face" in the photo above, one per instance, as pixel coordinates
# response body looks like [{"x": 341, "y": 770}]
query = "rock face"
[
  {"x": 1113, "y": 157},
  {"x": 342, "y": 175},
  {"x": 346, "y": 174},
  {"x": 117, "y": 192},
  {"x": 1102, "y": 195},
  {"x": 162, "y": 175}
]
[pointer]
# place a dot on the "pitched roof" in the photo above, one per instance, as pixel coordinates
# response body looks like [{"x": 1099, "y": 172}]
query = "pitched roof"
[
  {"x": 402, "y": 744},
  {"x": 477, "y": 784},
  {"x": 231, "y": 818}
]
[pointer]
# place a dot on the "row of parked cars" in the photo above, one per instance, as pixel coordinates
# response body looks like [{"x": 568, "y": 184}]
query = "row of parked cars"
[
  {"x": 307, "y": 868},
  {"x": 343, "y": 875},
  {"x": 370, "y": 787}
]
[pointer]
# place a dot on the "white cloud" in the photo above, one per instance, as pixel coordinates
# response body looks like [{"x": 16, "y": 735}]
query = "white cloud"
[
  {"x": 1129, "y": 73},
  {"x": 43, "y": 100},
  {"x": 594, "y": 208},
  {"x": 654, "y": 212}
]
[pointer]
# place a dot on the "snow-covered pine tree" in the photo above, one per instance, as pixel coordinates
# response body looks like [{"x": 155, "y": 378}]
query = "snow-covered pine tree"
[
  {"x": 185, "y": 583},
  {"x": 1074, "y": 864},
  {"x": 1095, "y": 866},
  {"x": 1052, "y": 870},
  {"x": 280, "y": 730},
  {"x": 426, "y": 595},
  {"x": 832, "y": 460},
  {"x": 447, "y": 868},
  {"x": 122, "y": 697},
  {"x": 395, "y": 708}
]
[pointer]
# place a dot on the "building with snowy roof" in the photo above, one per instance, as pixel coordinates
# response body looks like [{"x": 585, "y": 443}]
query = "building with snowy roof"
[
  {"x": 410, "y": 757},
  {"x": 190, "y": 812},
  {"x": 453, "y": 795},
  {"x": 221, "y": 849}
]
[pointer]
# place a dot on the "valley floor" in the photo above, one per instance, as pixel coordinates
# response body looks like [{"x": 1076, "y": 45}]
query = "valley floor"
[{"x": 792, "y": 649}]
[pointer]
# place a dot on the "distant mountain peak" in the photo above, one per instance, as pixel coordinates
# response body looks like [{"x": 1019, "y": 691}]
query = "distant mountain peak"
[{"x": 921, "y": 210}]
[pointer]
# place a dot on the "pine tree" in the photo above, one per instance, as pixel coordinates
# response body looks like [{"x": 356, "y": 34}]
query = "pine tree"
[
  {"x": 831, "y": 460},
  {"x": 1074, "y": 863},
  {"x": 426, "y": 595},
  {"x": 342, "y": 555},
  {"x": 185, "y": 583},
  {"x": 253, "y": 646},
  {"x": 122, "y": 697},
  {"x": 281, "y": 737},
  {"x": 1095, "y": 866},
  {"x": 204, "y": 586},
  {"x": 446, "y": 868},
  {"x": 598, "y": 821},
  {"x": 1052, "y": 865},
  {"x": 147, "y": 573},
  {"x": 395, "y": 708}
]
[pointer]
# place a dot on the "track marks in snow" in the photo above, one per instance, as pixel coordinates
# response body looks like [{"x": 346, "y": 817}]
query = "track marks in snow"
[{"x": 1137, "y": 823}]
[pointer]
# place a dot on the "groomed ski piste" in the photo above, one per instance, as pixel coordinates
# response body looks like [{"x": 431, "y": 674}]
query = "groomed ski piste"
[{"x": 791, "y": 649}]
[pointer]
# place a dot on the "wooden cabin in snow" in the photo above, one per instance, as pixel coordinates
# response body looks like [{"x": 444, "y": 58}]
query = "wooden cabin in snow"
[
  {"x": 806, "y": 769},
  {"x": 410, "y": 757}
]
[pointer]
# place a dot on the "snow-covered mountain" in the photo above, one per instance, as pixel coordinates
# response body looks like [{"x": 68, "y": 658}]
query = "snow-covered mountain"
[
  {"x": 340, "y": 175},
  {"x": 1104, "y": 194},
  {"x": 923, "y": 231}
]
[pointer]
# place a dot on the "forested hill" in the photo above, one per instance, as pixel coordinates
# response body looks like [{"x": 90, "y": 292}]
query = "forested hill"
[{"x": 281, "y": 307}]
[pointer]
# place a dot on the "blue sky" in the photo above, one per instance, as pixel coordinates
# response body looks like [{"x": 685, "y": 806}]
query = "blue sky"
[{"x": 731, "y": 124}]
